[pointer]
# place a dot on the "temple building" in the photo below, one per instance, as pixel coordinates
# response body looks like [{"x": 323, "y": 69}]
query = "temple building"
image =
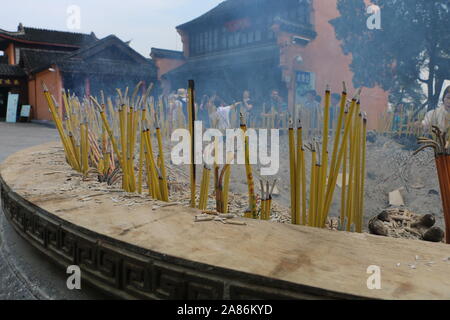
[
  {"x": 80, "y": 63},
  {"x": 261, "y": 45},
  {"x": 166, "y": 60}
]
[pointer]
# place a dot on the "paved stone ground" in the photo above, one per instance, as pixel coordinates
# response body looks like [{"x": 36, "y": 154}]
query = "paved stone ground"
[{"x": 24, "y": 272}]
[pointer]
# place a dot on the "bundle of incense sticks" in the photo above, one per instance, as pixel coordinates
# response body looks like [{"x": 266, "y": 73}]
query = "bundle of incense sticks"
[
  {"x": 266, "y": 199},
  {"x": 440, "y": 143},
  {"x": 109, "y": 144},
  {"x": 251, "y": 211},
  {"x": 348, "y": 154}
]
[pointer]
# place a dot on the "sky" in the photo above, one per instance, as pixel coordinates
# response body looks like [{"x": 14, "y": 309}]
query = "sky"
[{"x": 147, "y": 23}]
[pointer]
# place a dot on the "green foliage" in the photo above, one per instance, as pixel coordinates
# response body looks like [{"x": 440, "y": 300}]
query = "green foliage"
[{"x": 414, "y": 38}]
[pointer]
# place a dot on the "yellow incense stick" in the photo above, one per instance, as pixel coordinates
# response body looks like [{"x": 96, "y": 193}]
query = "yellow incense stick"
[
  {"x": 363, "y": 174},
  {"x": 165, "y": 188},
  {"x": 332, "y": 180},
  {"x": 324, "y": 154},
  {"x": 312, "y": 188},
  {"x": 191, "y": 120},
  {"x": 298, "y": 174},
  {"x": 293, "y": 174}
]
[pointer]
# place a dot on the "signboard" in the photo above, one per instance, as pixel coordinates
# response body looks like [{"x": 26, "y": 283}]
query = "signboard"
[
  {"x": 305, "y": 81},
  {"x": 11, "y": 109},
  {"x": 25, "y": 111},
  {"x": 9, "y": 82}
]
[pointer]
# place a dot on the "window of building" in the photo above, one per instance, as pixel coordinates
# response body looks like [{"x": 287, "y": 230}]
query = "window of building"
[
  {"x": 237, "y": 40},
  {"x": 292, "y": 15},
  {"x": 224, "y": 38},
  {"x": 192, "y": 45},
  {"x": 200, "y": 44},
  {"x": 211, "y": 40},
  {"x": 206, "y": 35},
  {"x": 251, "y": 36},
  {"x": 197, "y": 43},
  {"x": 17, "y": 55},
  {"x": 216, "y": 39},
  {"x": 208, "y": 41},
  {"x": 243, "y": 39},
  {"x": 303, "y": 12},
  {"x": 230, "y": 41},
  {"x": 258, "y": 35}
]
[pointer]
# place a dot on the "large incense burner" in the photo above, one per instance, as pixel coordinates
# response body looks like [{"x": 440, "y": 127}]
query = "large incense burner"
[{"x": 134, "y": 248}]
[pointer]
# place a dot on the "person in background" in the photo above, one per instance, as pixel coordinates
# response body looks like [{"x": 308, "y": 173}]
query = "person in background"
[
  {"x": 203, "y": 110},
  {"x": 181, "y": 102},
  {"x": 176, "y": 114},
  {"x": 334, "y": 109},
  {"x": 220, "y": 116},
  {"x": 277, "y": 106},
  {"x": 247, "y": 104},
  {"x": 318, "y": 99},
  {"x": 275, "y": 100},
  {"x": 439, "y": 117},
  {"x": 312, "y": 107}
]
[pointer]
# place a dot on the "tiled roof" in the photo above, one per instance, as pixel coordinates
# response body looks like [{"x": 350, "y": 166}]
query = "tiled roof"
[
  {"x": 222, "y": 9},
  {"x": 106, "y": 67},
  {"x": 99, "y": 45},
  {"x": 11, "y": 71},
  {"x": 51, "y": 37},
  {"x": 164, "y": 53},
  {"x": 219, "y": 61},
  {"x": 37, "y": 58}
]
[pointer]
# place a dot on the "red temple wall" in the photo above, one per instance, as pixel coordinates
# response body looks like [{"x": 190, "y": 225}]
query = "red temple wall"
[
  {"x": 324, "y": 57},
  {"x": 52, "y": 80}
]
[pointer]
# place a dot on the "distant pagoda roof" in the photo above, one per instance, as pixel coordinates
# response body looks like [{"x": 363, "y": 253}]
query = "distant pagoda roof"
[
  {"x": 237, "y": 9},
  {"x": 30, "y": 35},
  {"x": 228, "y": 6}
]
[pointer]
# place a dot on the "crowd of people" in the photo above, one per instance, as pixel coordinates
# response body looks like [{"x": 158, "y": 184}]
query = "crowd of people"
[
  {"x": 273, "y": 111},
  {"x": 269, "y": 112},
  {"x": 217, "y": 112},
  {"x": 406, "y": 115}
]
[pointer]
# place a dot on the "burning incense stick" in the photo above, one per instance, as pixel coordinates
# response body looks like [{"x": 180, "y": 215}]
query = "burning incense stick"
[
  {"x": 191, "y": 113},
  {"x": 248, "y": 168},
  {"x": 293, "y": 173},
  {"x": 441, "y": 147}
]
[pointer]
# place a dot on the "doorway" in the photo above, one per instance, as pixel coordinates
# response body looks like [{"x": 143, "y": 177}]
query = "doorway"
[{"x": 3, "y": 103}]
